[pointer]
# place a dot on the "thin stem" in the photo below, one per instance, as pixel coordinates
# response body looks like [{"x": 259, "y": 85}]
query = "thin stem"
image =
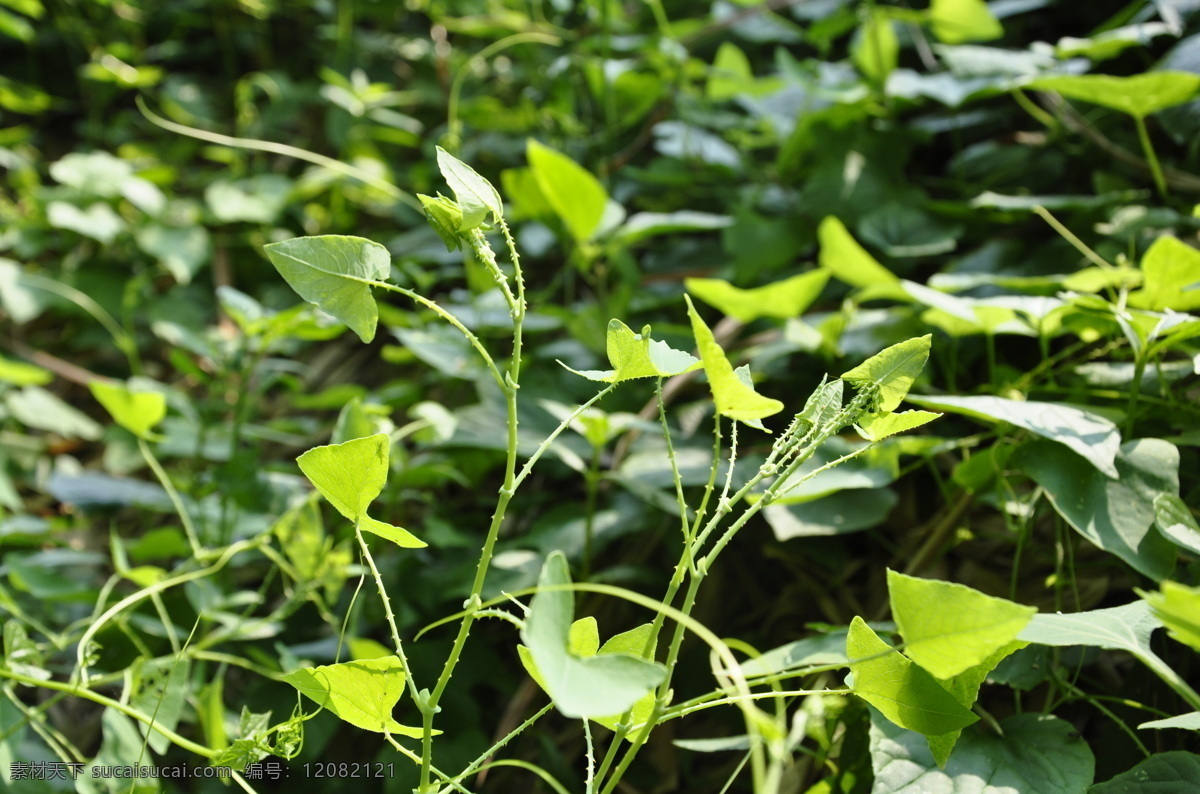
[
  {"x": 1070, "y": 237},
  {"x": 387, "y": 610},
  {"x": 95, "y": 697},
  {"x": 124, "y": 342},
  {"x": 185, "y": 518},
  {"x": 563, "y": 425},
  {"x": 479, "y": 762},
  {"x": 283, "y": 149},
  {"x": 1156, "y": 171}
]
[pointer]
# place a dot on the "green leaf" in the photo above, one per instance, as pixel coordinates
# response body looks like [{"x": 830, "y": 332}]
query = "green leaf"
[
  {"x": 1172, "y": 277},
  {"x": 643, "y": 225},
  {"x": 1138, "y": 95},
  {"x": 959, "y": 21},
  {"x": 401, "y": 537},
  {"x": 577, "y": 197},
  {"x": 901, "y": 690},
  {"x": 362, "y": 693},
  {"x": 349, "y": 475},
  {"x": 730, "y": 74},
  {"x": 1114, "y": 514},
  {"x": 848, "y": 261},
  {"x": 35, "y": 407},
  {"x": 1178, "y": 607},
  {"x": 99, "y": 221},
  {"x": 475, "y": 195},
  {"x": 596, "y": 686},
  {"x": 892, "y": 370},
  {"x": 181, "y": 250},
  {"x": 640, "y": 641},
  {"x": 21, "y": 654},
  {"x": 1169, "y": 772},
  {"x": 137, "y": 412},
  {"x": 876, "y": 427},
  {"x": 782, "y": 299},
  {"x": 732, "y": 390},
  {"x": 163, "y": 690},
  {"x": 638, "y": 356},
  {"x": 1187, "y": 722},
  {"x": 1037, "y": 754},
  {"x": 446, "y": 219},
  {"x": 333, "y": 272},
  {"x": 1123, "y": 628},
  {"x": 1110, "y": 43},
  {"x": 1175, "y": 521},
  {"x": 21, "y": 373},
  {"x": 1088, "y": 434},
  {"x": 875, "y": 49},
  {"x": 258, "y": 199},
  {"x": 947, "y": 627},
  {"x": 965, "y": 688}
]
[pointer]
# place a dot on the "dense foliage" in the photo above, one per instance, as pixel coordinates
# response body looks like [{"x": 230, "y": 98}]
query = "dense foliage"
[{"x": 428, "y": 354}]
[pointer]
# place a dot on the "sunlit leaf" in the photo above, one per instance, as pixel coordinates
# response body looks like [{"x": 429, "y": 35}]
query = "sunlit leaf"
[
  {"x": 892, "y": 371},
  {"x": 1138, "y": 95},
  {"x": 638, "y": 356},
  {"x": 781, "y": 300},
  {"x": 1178, "y": 607},
  {"x": 577, "y": 197},
  {"x": 136, "y": 411},
  {"x": 848, "y": 261},
  {"x": 1088, "y": 434},
  {"x": 398, "y": 535},
  {"x": 333, "y": 272},
  {"x": 362, "y": 693},
  {"x": 1172, "y": 277},
  {"x": 1175, "y": 520},
  {"x": 901, "y": 690},
  {"x": 964, "y": 629},
  {"x": 959, "y": 21},
  {"x": 876, "y": 427},
  {"x": 734, "y": 394},
  {"x": 349, "y": 475}
]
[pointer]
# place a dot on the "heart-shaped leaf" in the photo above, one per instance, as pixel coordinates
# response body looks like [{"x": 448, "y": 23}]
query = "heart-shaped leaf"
[
  {"x": 136, "y": 411},
  {"x": 638, "y": 356},
  {"x": 362, "y": 693},
  {"x": 592, "y": 686},
  {"x": 333, "y": 272}
]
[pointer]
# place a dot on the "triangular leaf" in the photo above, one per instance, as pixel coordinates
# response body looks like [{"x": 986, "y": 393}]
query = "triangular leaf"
[
  {"x": 137, "y": 412},
  {"x": 734, "y": 396},
  {"x": 362, "y": 693},
  {"x": 961, "y": 631},
  {"x": 349, "y": 475},
  {"x": 332, "y": 271},
  {"x": 893, "y": 370},
  {"x": 781, "y": 300},
  {"x": 899, "y": 688}
]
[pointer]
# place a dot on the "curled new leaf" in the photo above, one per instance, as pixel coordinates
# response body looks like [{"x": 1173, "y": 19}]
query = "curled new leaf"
[{"x": 475, "y": 195}]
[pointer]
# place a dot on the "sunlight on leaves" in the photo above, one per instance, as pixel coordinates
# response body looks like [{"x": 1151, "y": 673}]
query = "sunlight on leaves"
[
  {"x": 362, "y": 693},
  {"x": 964, "y": 629},
  {"x": 1178, "y": 607},
  {"x": 638, "y": 356},
  {"x": 959, "y": 21},
  {"x": 1138, "y": 95},
  {"x": 892, "y": 370},
  {"x": 902, "y": 691},
  {"x": 732, "y": 389},
  {"x": 577, "y": 197},
  {"x": 137, "y": 412},
  {"x": 781, "y": 300},
  {"x": 848, "y": 261}
]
